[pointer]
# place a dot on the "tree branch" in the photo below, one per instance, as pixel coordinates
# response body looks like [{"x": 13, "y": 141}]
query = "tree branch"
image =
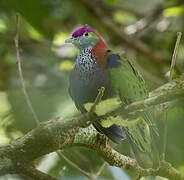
[
  {"x": 116, "y": 159},
  {"x": 62, "y": 133}
]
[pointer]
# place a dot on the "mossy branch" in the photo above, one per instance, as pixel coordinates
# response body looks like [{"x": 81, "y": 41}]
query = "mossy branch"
[{"x": 63, "y": 133}]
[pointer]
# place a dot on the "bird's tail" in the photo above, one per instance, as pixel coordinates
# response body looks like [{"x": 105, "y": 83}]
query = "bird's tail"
[
  {"x": 146, "y": 159},
  {"x": 114, "y": 132},
  {"x": 146, "y": 150}
]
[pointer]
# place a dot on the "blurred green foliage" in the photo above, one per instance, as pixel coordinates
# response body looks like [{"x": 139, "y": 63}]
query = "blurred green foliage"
[{"x": 47, "y": 62}]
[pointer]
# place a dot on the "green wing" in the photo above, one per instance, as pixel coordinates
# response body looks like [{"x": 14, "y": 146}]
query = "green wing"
[
  {"x": 130, "y": 86},
  {"x": 128, "y": 83},
  {"x": 126, "y": 79}
]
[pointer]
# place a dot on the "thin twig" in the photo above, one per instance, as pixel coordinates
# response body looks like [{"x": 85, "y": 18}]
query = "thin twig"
[
  {"x": 89, "y": 175},
  {"x": 165, "y": 135},
  {"x": 173, "y": 62},
  {"x": 61, "y": 155},
  {"x": 100, "y": 169},
  {"x": 16, "y": 39},
  {"x": 112, "y": 27},
  {"x": 98, "y": 99}
]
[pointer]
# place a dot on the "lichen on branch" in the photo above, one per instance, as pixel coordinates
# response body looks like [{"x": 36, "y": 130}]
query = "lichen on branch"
[{"x": 63, "y": 133}]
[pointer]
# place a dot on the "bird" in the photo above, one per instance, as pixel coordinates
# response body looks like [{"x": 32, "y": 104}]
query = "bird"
[{"x": 98, "y": 66}]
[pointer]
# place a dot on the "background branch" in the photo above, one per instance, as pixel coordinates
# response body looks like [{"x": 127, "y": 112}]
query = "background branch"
[
  {"x": 173, "y": 62},
  {"x": 100, "y": 169},
  {"x": 131, "y": 42},
  {"x": 28, "y": 101},
  {"x": 62, "y": 156}
]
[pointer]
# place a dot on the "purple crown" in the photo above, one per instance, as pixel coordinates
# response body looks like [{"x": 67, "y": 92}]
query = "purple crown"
[{"x": 82, "y": 30}]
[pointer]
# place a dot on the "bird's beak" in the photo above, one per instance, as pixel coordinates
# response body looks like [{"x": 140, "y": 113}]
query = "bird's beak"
[{"x": 70, "y": 40}]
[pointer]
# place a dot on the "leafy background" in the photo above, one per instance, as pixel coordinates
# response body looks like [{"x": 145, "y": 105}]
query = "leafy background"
[{"x": 47, "y": 62}]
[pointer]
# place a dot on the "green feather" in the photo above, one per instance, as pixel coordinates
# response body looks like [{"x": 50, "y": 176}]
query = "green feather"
[
  {"x": 130, "y": 86},
  {"x": 128, "y": 83}
]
